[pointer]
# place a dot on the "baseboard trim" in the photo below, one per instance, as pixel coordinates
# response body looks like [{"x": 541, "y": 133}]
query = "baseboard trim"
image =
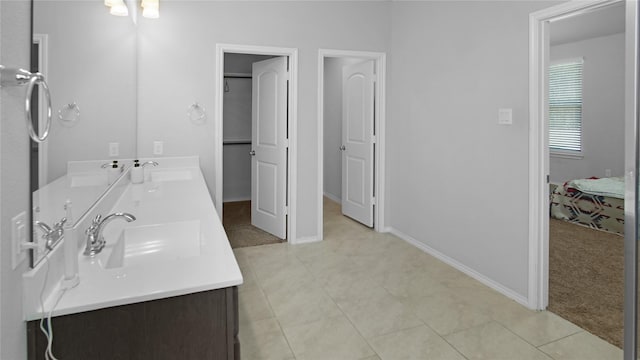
[
  {"x": 333, "y": 198},
  {"x": 306, "y": 240},
  {"x": 460, "y": 266}
]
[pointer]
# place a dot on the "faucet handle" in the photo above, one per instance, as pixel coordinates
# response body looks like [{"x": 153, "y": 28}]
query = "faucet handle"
[
  {"x": 94, "y": 225},
  {"x": 60, "y": 223}
]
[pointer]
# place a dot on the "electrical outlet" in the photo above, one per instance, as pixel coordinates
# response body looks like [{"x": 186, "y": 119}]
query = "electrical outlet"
[
  {"x": 505, "y": 116},
  {"x": 114, "y": 149},
  {"x": 607, "y": 172},
  {"x": 158, "y": 147},
  {"x": 18, "y": 236}
]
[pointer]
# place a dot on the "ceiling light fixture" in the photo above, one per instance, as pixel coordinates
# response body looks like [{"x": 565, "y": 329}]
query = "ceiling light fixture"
[
  {"x": 118, "y": 8},
  {"x": 150, "y": 8}
]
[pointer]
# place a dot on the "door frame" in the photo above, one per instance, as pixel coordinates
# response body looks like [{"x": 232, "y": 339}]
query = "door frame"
[
  {"x": 538, "y": 287},
  {"x": 380, "y": 66},
  {"x": 42, "y": 40},
  {"x": 292, "y": 54}
]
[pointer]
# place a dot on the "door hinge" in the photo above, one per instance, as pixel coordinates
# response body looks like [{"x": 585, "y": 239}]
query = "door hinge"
[
  {"x": 548, "y": 179},
  {"x": 373, "y": 139},
  {"x": 286, "y": 210},
  {"x": 373, "y": 200},
  {"x": 286, "y": 143}
]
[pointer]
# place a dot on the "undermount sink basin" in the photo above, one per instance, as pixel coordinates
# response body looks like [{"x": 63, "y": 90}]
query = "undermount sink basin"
[
  {"x": 171, "y": 175},
  {"x": 88, "y": 180},
  {"x": 159, "y": 243}
]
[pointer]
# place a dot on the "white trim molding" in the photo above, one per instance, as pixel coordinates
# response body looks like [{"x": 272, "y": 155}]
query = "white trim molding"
[
  {"x": 43, "y": 148},
  {"x": 538, "y": 286},
  {"x": 380, "y": 60},
  {"x": 292, "y": 54}
]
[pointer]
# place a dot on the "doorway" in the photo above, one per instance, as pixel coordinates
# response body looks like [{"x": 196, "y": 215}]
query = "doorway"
[
  {"x": 351, "y": 136},
  {"x": 255, "y": 143},
  {"x": 541, "y": 173},
  {"x": 586, "y": 147}
]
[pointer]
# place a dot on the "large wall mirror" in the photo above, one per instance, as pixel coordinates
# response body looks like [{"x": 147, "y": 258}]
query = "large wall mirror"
[{"x": 88, "y": 57}]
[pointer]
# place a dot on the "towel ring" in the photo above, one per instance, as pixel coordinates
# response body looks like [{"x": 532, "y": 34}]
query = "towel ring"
[
  {"x": 15, "y": 77},
  {"x": 37, "y": 79},
  {"x": 197, "y": 114},
  {"x": 69, "y": 114}
]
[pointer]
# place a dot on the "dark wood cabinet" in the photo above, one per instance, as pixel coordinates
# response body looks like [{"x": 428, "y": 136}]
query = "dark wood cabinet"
[{"x": 197, "y": 326}]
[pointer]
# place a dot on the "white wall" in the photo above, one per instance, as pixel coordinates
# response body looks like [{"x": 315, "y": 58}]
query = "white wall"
[
  {"x": 91, "y": 62},
  {"x": 176, "y": 64},
  {"x": 456, "y": 180},
  {"x": 602, "y": 111},
  {"x": 14, "y": 174}
]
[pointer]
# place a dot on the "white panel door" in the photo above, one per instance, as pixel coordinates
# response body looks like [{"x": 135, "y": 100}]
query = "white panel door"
[
  {"x": 357, "y": 141},
  {"x": 269, "y": 148}
]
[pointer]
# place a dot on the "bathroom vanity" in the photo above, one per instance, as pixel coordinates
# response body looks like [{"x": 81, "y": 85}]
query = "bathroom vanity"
[
  {"x": 163, "y": 287},
  {"x": 203, "y": 325}
]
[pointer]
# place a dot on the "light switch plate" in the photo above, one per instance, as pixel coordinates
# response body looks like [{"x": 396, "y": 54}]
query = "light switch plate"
[
  {"x": 158, "y": 147},
  {"x": 114, "y": 149},
  {"x": 505, "y": 116},
  {"x": 18, "y": 236}
]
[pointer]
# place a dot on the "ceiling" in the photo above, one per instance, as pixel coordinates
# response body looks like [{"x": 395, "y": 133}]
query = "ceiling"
[{"x": 601, "y": 22}]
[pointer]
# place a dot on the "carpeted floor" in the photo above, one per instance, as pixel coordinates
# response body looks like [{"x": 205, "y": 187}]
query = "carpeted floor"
[
  {"x": 236, "y": 219},
  {"x": 586, "y": 283}
]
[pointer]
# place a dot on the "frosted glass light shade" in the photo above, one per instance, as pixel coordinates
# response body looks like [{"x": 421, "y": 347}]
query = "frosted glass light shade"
[
  {"x": 151, "y": 12},
  {"x": 151, "y": 9},
  {"x": 118, "y": 8}
]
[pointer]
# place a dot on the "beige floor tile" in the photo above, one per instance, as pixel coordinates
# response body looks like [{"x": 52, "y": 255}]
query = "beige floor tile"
[
  {"x": 330, "y": 338},
  {"x": 329, "y": 296},
  {"x": 416, "y": 343},
  {"x": 288, "y": 276},
  {"x": 249, "y": 281},
  {"x": 253, "y": 306},
  {"x": 445, "y": 312},
  {"x": 262, "y": 340},
  {"x": 536, "y": 327},
  {"x": 327, "y": 269},
  {"x": 582, "y": 346},
  {"x": 351, "y": 289},
  {"x": 379, "y": 314},
  {"x": 493, "y": 341},
  {"x": 409, "y": 283},
  {"x": 306, "y": 304},
  {"x": 306, "y": 251}
]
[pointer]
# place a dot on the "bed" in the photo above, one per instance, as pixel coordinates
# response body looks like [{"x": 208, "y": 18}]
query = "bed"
[{"x": 595, "y": 203}]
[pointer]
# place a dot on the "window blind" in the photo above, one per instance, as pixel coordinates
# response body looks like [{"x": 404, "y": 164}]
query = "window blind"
[{"x": 565, "y": 106}]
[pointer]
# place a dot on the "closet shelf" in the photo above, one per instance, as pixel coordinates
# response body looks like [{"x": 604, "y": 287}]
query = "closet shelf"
[
  {"x": 238, "y": 75},
  {"x": 237, "y": 142}
]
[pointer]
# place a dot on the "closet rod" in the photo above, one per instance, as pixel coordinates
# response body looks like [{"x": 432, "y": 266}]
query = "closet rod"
[
  {"x": 238, "y": 75},
  {"x": 237, "y": 142}
]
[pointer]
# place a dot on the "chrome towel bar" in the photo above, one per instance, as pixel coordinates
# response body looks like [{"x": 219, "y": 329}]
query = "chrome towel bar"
[{"x": 16, "y": 77}]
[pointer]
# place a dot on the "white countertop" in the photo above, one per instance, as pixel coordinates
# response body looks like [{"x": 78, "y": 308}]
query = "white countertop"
[{"x": 175, "y": 195}]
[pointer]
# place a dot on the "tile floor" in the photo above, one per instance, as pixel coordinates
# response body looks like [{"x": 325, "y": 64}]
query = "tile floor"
[{"x": 365, "y": 295}]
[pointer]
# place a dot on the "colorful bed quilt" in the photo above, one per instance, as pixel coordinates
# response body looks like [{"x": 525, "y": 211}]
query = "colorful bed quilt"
[{"x": 595, "y": 211}]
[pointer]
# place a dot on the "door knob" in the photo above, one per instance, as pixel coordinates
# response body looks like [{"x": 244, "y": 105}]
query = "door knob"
[
  {"x": 252, "y": 153},
  {"x": 342, "y": 148}
]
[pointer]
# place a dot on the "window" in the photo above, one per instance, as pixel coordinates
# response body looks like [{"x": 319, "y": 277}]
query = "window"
[{"x": 565, "y": 108}]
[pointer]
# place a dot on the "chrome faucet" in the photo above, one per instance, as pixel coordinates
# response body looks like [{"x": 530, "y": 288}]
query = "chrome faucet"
[
  {"x": 95, "y": 239},
  {"x": 149, "y": 163},
  {"x": 51, "y": 236}
]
